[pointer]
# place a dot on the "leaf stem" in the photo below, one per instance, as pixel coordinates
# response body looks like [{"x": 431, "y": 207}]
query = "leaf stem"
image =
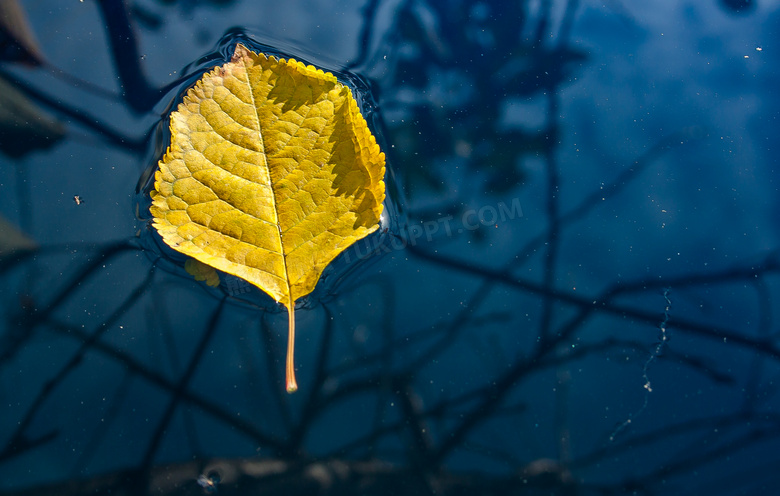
[{"x": 292, "y": 385}]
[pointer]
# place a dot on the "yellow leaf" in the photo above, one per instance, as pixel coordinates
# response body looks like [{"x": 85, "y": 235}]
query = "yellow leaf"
[{"x": 271, "y": 173}]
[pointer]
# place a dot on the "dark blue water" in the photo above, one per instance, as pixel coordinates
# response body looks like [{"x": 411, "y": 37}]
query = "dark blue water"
[{"x": 574, "y": 290}]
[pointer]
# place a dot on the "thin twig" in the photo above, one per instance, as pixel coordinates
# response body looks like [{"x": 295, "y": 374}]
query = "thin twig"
[{"x": 177, "y": 395}]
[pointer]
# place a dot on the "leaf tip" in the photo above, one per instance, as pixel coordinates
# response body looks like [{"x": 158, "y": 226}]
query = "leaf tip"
[{"x": 240, "y": 52}]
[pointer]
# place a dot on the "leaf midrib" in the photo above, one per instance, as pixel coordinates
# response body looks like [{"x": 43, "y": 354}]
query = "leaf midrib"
[{"x": 291, "y": 303}]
